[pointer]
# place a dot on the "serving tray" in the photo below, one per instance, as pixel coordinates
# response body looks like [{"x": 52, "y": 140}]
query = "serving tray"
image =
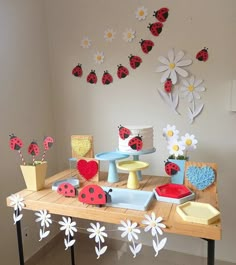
[
  {"x": 129, "y": 199},
  {"x": 172, "y": 190}
]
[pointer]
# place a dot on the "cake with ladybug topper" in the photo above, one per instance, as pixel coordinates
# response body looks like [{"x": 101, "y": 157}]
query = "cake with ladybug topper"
[{"x": 134, "y": 139}]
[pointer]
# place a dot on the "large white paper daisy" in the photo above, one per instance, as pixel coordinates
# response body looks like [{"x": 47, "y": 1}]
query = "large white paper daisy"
[
  {"x": 172, "y": 66},
  {"x": 85, "y": 43},
  {"x": 176, "y": 148},
  {"x": 129, "y": 35},
  {"x": 109, "y": 35},
  {"x": 141, "y": 13},
  {"x": 170, "y": 132},
  {"x": 191, "y": 88},
  {"x": 99, "y": 57},
  {"x": 189, "y": 141}
]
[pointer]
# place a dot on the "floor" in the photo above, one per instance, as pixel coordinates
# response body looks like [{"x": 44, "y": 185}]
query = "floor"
[{"x": 118, "y": 253}]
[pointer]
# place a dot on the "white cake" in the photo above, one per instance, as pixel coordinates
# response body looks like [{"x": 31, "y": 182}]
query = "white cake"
[{"x": 135, "y": 138}]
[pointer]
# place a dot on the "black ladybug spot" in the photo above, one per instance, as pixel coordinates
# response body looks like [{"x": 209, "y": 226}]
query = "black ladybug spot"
[
  {"x": 83, "y": 195},
  {"x": 91, "y": 190},
  {"x": 59, "y": 189},
  {"x": 100, "y": 196},
  {"x": 65, "y": 192},
  {"x": 92, "y": 199},
  {"x": 71, "y": 191},
  {"x": 66, "y": 186}
]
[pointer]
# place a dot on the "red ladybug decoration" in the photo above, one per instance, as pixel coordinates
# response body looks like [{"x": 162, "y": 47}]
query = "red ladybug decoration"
[
  {"x": 202, "y": 55},
  {"x": 94, "y": 194},
  {"x": 124, "y": 132},
  {"x": 15, "y": 142},
  {"x": 33, "y": 149},
  {"x": 135, "y": 61},
  {"x": 66, "y": 189},
  {"x": 155, "y": 28},
  {"x": 146, "y": 45},
  {"x": 48, "y": 142},
  {"x": 168, "y": 85},
  {"x": 161, "y": 14},
  {"x": 122, "y": 71},
  {"x": 78, "y": 71},
  {"x": 136, "y": 143},
  {"x": 171, "y": 168},
  {"x": 107, "y": 78},
  {"x": 92, "y": 77}
]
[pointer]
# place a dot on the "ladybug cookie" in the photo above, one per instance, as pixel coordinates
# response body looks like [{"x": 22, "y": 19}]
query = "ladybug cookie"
[
  {"x": 171, "y": 168},
  {"x": 66, "y": 189},
  {"x": 33, "y": 149},
  {"x": 136, "y": 143},
  {"x": 161, "y": 14},
  {"x": 168, "y": 85},
  {"x": 92, "y": 77},
  {"x": 135, "y": 61},
  {"x": 122, "y": 71},
  {"x": 107, "y": 78},
  {"x": 124, "y": 132},
  {"x": 146, "y": 45},
  {"x": 155, "y": 28},
  {"x": 202, "y": 55},
  {"x": 15, "y": 142},
  {"x": 78, "y": 71}
]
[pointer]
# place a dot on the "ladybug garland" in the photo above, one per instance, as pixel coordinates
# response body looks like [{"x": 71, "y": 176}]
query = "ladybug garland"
[
  {"x": 135, "y": 61},
  {"x": 146, "y": 45},
  {"x": 78, "y": 71},
  {"x": 122, "y": 71},
  {"x": 92, "y": 77},
  {"x": 202, "y": 55},
  {"x": 155, "y": 28},
  {"x": 107, "y": 78},
  {"x": 161, "y": 14}
]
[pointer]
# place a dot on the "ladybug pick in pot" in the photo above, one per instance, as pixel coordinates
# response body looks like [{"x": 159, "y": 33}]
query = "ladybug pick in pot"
[
  {"x": 16, "y": 144},
  {"x": 33, "y": 150},
  {"x": 171, "y": 168}
]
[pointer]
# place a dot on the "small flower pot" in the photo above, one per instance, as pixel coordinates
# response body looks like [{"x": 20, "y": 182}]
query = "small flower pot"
[
  {"x": 178, "y": 178},
  {"x": 34, "y": 176}
]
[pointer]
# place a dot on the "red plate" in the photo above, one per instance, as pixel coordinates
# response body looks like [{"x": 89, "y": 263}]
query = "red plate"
[{"x": 173, "y": 190}]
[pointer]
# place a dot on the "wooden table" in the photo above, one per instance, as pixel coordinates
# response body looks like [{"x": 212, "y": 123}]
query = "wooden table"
[{"x": 57, "y": 204}]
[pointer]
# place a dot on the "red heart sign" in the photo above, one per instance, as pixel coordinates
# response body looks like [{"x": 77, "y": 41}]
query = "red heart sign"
[{"x": 87, "y": 169}]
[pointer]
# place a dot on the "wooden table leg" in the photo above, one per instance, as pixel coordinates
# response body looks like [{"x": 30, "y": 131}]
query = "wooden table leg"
[
  {"x": 19, "y": 241},
  {"x": 210, "y": 251}
]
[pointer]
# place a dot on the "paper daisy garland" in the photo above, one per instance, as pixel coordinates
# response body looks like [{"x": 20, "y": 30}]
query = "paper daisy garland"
[
  {"x": 109, "y": 35},
  {"x": 130, "y": 230},
  {"x": 85, "y": 43},
  {"x": 70, "y": 228},
  {"x": 155, "y": 226},
  {"x": 17, "y": 203},
  {"x": 98, "y": 232},
  {"x": 99, "y": 57},
  {"x": 45, "y": 220},
  {"x": 129, "y": 35},
  {"x": 141, "y": 13}
]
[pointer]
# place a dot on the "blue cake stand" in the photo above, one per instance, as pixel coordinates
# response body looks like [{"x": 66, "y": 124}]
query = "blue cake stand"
[
  {"x": 136, "y": 157},
  {"x": 111, "y": 157}
]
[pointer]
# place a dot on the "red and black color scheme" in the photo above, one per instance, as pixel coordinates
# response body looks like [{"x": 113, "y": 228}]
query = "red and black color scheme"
[
  {"x": 124, "y": 132},
  {"x": 33, "y": 149},
  {"x": 146, "y": 45},
  {"x": 171, "y": 168},
  {"x": 202, "y": 55},
  {"x": 92, "y": 77},
  {"x": 122, "y": 71},
  {"x": 78, "y": 71},
  {"x": 107, "y": 78},
  {"x": 161, "y": 14},
  {"x": 48, "y": 142},
  {"x": 94, "y": 194},
  {"x": 136, "y": 143},
  {"x": 168, "y": 85},
  {"x": 155, "y": 28},
  {"x": 135, "y": 61},
  {"x": 15, "y": 142},
  {"x": 66, "y": 189}
]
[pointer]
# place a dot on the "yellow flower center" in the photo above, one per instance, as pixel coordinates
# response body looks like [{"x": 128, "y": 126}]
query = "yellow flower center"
[
  {"x": 190, "y": 88},
  {"x": 176, "y": 147},
  {"x": 99, "y": 57},
  {"x": 129, "y": 35},
  {"x": 85, "y": 42},
  {"x": 109, "y": 34},
  {"x": 152, "y": 224},
  {"x": 170, "y": 133},
  {"x": 172, "y": 66},
  {"x": 129, "y": 229},
  {"x": 141, "y": 13},
  {"x": 188, "y": 142}
]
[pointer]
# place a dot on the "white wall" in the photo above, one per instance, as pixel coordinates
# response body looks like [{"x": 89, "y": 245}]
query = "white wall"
[
  {"x": 25, "y": 108},
  {"x": 85, "y": 109}
]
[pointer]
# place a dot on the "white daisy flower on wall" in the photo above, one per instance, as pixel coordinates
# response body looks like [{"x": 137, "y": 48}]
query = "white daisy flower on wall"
[
  {"x": 70, "y": 229},
  {"x": 85, "y": 43},
  {"x": 141, "y": 13},
  {"x": 170, "y": 132},
  {"x": 176, "y": 148},
  {"x": 45, "y": 220},
  {"x": 191, "y": 88},
  {"x": 18, "y": 204},
  {"x": 109, "y": 35},
  {"x": 99, "y": 57},
  {"x": 172, "y": 66},
  {"x": 189, "y": 141},
  {"x": 129, "y": 35}
]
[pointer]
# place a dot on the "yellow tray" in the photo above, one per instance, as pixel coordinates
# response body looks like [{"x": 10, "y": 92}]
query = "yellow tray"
[{"x": 198, "y": 212}]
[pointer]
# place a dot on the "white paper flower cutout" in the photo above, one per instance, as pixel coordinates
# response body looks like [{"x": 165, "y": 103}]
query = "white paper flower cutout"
[
  {"x": 18, "y": 204},
  {"x": 98, "y": 232},
  {"x": 130, "y": 230},
  {"x": 189, "y": 142},
  {"x": 109, "y": 35},
  {"x": 45, "y": 220},
  {"x": 176, "y": 148},
  {"x": 191, "y": 88},
  {"x": 99, "y": 57},
  {"x": 141, "y": 13},
  {"x": 129, "y": 35},
  {"x": 85, "y": 43},
  {"x": 172, "y": 66},
  {"x": 70, "y": 229},
  {"x": 154, "y": 225},
  {"x": 170, "y": 132}
]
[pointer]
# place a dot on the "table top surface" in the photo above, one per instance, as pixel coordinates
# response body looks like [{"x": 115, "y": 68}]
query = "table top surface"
[{"x": 57, "y": 204}]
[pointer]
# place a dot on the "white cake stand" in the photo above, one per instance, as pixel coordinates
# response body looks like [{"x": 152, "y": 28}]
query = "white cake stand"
[{"x": 136, "y": 157}]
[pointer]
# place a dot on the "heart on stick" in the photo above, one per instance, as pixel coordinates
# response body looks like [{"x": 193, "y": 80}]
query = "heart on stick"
[
  {"x": 200, "y": 177},
  {"x": 87, "y": 169},
  {"x": 81, "y": 146}
]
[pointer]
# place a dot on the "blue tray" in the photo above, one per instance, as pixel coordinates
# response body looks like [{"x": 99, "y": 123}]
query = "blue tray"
[{"x": 129, "y": 199}]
